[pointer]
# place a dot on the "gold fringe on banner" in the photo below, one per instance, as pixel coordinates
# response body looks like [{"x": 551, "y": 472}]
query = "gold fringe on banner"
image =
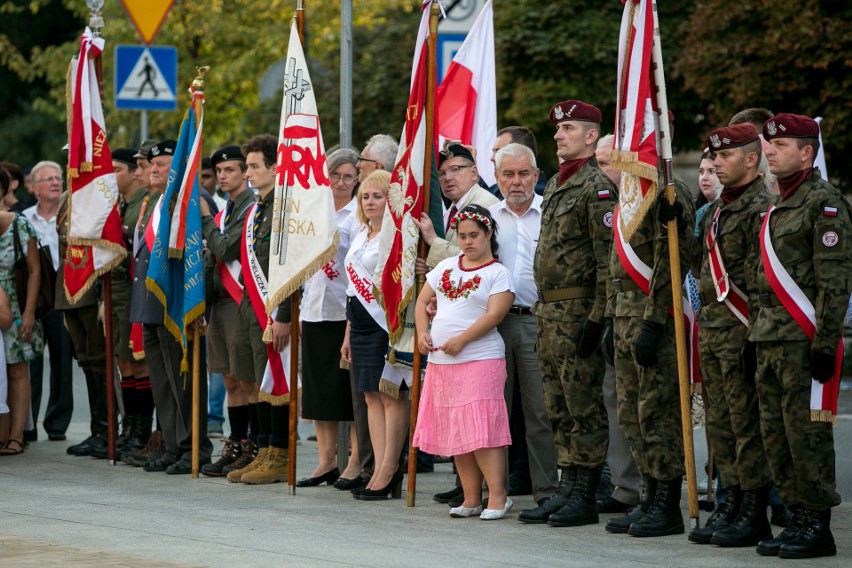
[
  {"x": 276, "y": 400},
  {"x": 823, "y": 416},
  {"x": 389, "y": 388},
  {"x": 296, "y": 282}
]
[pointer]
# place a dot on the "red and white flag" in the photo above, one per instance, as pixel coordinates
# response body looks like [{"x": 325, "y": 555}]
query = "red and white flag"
[
  {"x": 466, "y": 100},
  {"x": 95, "y": 241},
  {"x": 394, "y": 273},
  {"x": 636, "y": 144}
]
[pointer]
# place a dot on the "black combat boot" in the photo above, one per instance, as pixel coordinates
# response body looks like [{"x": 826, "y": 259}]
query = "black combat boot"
[
  {"x": 620, "y": 525},
  {"x": 723, "y": 516},
  {"x": 813, "y": 540},
  {"x": 540, "y": 514},
  {"x": 582, "y": 506},
  {"x": 664, "y": 516},
  {"x": 772, "y": 546},
  {"x": 96, "y": 390},
  {"x": 751, "y": 525}
]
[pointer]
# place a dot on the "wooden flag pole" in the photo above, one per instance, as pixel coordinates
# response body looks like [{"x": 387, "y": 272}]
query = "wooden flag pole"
[
  {"x": 676, "y": 278},
  {"x": 95, "y": 23},
  {"x": 417, "y": 363},
  {"x": 294, "y": 334}
]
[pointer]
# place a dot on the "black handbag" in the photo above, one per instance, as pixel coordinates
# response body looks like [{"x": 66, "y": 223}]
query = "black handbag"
[{"x": 47, "y": 288}]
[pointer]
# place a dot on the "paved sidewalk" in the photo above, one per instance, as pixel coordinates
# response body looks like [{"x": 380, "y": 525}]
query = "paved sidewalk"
[{"x": 82, "y": 512}]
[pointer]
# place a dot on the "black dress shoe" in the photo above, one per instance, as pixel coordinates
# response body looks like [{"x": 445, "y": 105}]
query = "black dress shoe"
[
  {"x": 57, "y": 437},
  {"x": 344, "y": 484},
  {"x": 87, "y": 446},
  {"x": 447, "y": 496},
  {"x": 31, "y": 435},
  {"x": 161, "y": 464},
  {"x": 328, "y": 477},
  {"x": 612, "y": 505}
]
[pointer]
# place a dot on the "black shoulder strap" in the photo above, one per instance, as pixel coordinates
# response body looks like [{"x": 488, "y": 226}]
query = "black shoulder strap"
[{"x": 19, "y": 251}]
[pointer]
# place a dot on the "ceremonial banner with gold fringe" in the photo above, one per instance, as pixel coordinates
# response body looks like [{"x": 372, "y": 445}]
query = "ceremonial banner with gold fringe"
[
  {"x": 636, "y": 144},
  {"x": 95, "y": 241},
  {"x": 176, "y": 268},
  {"x": 304, "y": 234},
  {"x": 394, "y": 273}
]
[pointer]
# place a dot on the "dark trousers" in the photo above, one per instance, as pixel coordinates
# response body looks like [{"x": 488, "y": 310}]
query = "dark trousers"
[{"x": 60, "y": 403}]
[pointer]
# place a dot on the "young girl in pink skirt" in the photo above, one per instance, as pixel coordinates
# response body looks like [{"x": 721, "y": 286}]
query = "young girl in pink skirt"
[{"x": 462, "y": 409}]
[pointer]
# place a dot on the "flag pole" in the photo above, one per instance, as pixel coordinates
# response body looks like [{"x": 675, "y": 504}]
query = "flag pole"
[
  {"x": 96, "y": 22},
  {"x": 417, "y": 363},
  {"x": 198, "y": 86},
  {"x": 676, "y": 276},
  {"x": 293, "y": 371}
]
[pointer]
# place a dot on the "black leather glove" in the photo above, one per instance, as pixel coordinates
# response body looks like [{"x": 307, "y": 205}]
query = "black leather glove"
[
  {"x": 666, "y": 212},
  {"x": 590, "y": 338},
  {"x": 822, "y": 366},
  {"x": 646, "y": 345},
  {"x": 748, "y": 357},
  {"x": 608, "y": 342}
]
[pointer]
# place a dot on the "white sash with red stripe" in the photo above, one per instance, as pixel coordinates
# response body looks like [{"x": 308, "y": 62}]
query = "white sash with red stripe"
[
  {"x": 823, "y": 395},
  {"x": 150, "y": 229},
  {"x": 727, "y": 292},
  {"x": 274, "y": 388},
  {"x": 641, "y": 274},
  {"x": 361, "y": 279},
  {"x": 229, "y": 272}
]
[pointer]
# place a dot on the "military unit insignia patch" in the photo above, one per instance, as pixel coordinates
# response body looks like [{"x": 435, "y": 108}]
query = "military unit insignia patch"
[
  {"x": 607, "y": 219},
  {"x": 830, "y": 238}
]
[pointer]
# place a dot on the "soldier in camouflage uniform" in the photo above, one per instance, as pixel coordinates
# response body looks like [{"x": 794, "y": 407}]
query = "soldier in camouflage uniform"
[
  {"x": 646, "y": 367},
  {"x": 570, "y": 271},
  {"x": 733, "y": 224},
  {"x": 809, "y": 234}
]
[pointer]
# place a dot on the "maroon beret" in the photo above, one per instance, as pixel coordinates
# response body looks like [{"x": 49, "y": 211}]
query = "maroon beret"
[
  {"x": 574, "y": 110},
  {"x": 785, "y": 125},
  {"x": 732, "y": 137}
]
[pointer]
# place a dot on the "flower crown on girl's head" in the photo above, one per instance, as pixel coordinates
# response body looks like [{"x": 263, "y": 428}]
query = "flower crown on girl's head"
[{"x": 469, "y": 215}]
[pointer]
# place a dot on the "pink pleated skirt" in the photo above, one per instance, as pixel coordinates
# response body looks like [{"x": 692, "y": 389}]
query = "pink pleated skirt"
[{"x": 462, "y": 408}]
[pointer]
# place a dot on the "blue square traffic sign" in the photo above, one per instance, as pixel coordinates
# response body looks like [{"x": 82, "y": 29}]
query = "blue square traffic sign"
[{"x": 145, "y": 77}]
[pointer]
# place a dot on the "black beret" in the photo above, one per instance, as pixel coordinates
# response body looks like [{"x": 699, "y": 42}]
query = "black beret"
[
  {"x": 226, "y": 153},
  {"x": 162, "y": 148},
  {"x": 125, "y": 156}
]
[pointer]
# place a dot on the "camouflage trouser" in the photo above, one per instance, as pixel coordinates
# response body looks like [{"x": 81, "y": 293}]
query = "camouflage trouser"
[
  {"x": 733, "y": 423},
  {"x": 649, "y": 402},
  {"x": 573, "y": 394},
  {"x": 800, "y": 452}
]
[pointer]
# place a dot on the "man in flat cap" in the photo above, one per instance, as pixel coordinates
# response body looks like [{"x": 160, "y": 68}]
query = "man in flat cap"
[
  {"x": 643, "y": 342},
  {"x": 727, "y": 250},
  {"x": 804, "y": 284},
  {"x": 571, "y": 270},
  {"x": 224, "y": 240}
]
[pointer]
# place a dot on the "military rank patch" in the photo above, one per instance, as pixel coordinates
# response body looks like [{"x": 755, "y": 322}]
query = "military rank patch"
[
  {"x": 603, "y": 194},
  {"x": 830, "y": 238},
  {"x": 607, "y": 219},
  {"x": 829, "y": 211}
]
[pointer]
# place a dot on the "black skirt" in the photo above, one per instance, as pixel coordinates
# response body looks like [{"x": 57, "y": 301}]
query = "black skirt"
[
  {"x": 369, "y": 344},
  {"x": 326, "y": 392}
]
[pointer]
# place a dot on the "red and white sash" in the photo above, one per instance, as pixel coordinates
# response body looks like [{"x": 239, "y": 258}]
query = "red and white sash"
[
  {"x": 823, "y": 395},
  {"x": 641, "y": 274},
  {"x": 274, "y": 388},
  {"x": 726, "y": 290},
  {"x": 361, "y": 279},
  {"x": 229, "y": 272}
]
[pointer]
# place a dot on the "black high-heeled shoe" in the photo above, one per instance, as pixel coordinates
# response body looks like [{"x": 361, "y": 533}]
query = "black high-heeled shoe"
[
  {"x": 344, "y": 484},
  {"x": 393, "y": 490},
  {"x": 328, "y": 477}
]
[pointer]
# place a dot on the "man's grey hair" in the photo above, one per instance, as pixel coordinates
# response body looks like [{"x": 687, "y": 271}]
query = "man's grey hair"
[
  {"x": 514, "y": 150},
  {"x": 40, "y": 166},
  {"x": 605, "y": 141},
  {"x": 384, "y": 148}
]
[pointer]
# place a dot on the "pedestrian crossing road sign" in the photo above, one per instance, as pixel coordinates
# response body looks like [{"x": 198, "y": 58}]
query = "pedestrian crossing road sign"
[{"x": 145, "y": 77}]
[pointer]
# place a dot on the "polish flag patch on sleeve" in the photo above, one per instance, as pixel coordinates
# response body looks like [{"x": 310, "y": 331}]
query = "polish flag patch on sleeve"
[
  {"x": 828, "y": 211},
  {"x": 604, "y": 194}
]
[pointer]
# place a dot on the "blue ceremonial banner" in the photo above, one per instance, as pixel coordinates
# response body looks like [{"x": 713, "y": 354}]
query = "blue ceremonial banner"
[{"x": 176, "y": 269}]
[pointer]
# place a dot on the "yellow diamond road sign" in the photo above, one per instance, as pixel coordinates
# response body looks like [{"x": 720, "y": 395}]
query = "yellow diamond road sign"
[{"x": 148, "y": 16}]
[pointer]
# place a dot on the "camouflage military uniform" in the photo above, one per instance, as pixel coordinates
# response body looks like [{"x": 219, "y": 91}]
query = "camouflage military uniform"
[
  {"x": 570, "y": 271},
  {"x": 648, "y": 397},
  {"x": 812, "y": 244},
  {"x": 732, "y": 416}
]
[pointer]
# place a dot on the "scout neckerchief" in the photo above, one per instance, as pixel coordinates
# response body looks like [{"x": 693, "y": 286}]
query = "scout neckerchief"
[
  {"x": 150, "y": 232},
  {"x": 823, "y": 395},
  {"x": 257, "y": 289},
  {"x": 641, "y": 274},
  {"x": 726, "y": 290},
  {"x": 362, "y": 279},
  {"x": 229, "y": 272}
]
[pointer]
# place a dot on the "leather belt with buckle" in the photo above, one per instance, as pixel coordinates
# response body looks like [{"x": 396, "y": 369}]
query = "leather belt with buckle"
[
  {"x": 520, "y": 311},
  {"x": 560, "y": 294}
]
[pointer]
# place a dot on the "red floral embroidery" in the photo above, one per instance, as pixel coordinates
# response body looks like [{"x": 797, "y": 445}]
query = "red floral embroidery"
[{"x": 464, "y": 288}]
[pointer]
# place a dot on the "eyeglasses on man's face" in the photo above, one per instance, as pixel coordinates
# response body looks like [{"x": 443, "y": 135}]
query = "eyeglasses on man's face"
[
  {"x": 451, "y": 171},
  {"x": 363, "y": 159}
]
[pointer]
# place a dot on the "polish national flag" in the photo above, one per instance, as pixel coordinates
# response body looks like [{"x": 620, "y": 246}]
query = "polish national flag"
[{"x": 466, "y": 100}]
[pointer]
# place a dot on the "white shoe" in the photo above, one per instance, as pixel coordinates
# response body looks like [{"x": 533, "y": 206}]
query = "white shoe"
[
  {"x": 463, "y": 512},
  {"x": 494, "y": 514}
]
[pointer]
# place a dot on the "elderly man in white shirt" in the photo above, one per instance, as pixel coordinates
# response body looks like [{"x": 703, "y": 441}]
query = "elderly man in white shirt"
[{"x": 518, "y": 220}]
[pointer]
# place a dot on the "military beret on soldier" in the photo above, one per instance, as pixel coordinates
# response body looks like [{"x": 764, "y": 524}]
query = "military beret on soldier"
[
  {"x": 732, "y": 137},
  {"x": 143, "y": 149},
  {"x": 162, "y": 148},
  {"x": 575, "y": 110},
  {"x": 455, "y": 151},
  {"x": 125, "y": 156},
  {"x": 227, "y": 153},
  {"x": 786, "y": 125}
]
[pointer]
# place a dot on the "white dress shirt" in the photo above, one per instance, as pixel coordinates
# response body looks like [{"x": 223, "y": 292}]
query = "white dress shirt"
[
  {"x": 46, "y": 229},
  {"x": 517, "y": 238}
]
